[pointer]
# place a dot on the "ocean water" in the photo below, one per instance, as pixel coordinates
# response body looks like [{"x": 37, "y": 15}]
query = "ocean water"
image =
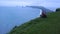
[{"x": 12, "y": 16}]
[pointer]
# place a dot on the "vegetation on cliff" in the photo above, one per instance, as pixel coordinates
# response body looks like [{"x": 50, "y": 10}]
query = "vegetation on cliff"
[{"x": 50, "y": 25}]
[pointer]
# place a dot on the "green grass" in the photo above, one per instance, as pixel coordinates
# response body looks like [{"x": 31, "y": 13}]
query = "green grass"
[{"x": 50, "y": 25}]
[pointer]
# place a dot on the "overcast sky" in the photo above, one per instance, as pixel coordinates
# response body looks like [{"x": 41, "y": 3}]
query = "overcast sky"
[{"x": 47, "y": 3}]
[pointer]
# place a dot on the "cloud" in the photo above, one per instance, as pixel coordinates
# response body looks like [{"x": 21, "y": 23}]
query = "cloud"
[
  {"x": 50, "y": 4},
  {"x": 14, "y": 3},
  {"x": 46, "y": 3}
]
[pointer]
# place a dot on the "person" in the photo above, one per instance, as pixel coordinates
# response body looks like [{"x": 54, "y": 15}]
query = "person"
[{"x": 43, "y": 14}]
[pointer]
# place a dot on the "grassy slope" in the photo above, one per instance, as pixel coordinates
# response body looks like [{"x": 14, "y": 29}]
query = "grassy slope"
[{"x": 50, "y": 25}]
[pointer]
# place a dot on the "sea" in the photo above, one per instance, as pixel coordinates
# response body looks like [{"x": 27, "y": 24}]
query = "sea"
[{"x": 16, "y": 16}]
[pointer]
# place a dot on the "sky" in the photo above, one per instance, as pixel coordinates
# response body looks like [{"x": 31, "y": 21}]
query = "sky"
[{"x": 46, "y": 3}]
